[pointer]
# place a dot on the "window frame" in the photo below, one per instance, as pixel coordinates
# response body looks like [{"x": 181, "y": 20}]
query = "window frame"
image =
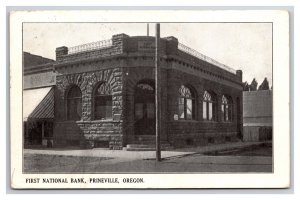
[
  {"x": 211, "y": 100},
  {"x": 78, "y": 102},
  {"x": 191, "y": 97},
  {"x": 97, "y": 96},
  {"x": 227, "y": 108}
]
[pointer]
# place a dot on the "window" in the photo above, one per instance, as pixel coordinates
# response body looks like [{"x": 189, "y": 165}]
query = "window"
[
  {"x": 186, "y": 104},
  {"x": 209, "y": 107},
  {"x": 227, "y": 108},
  {"x": 74, "y": 103},
  {"x": 102, "y": 102}
]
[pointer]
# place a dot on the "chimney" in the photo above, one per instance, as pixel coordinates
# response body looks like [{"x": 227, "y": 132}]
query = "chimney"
[
  {"x": 60, "y": 52},
  {"x": 239, "y": 73}
]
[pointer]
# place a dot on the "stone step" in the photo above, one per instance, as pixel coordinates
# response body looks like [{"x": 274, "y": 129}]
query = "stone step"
[
  {"x": 145, "y": 137},
  {"x": 140, "y": 149},
  {"x": 147, "y": 147},
  {"x": 148, "y": 142}
]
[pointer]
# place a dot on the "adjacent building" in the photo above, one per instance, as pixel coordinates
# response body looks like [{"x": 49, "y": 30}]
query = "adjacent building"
[
  {"x": 103, "y": 95},
  {"x": 38, "y": 100},
  {"x": 257, "y": 115}
]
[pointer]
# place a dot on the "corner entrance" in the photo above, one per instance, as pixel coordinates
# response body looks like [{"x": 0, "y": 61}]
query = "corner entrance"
[{"x": 144, "y": 108}]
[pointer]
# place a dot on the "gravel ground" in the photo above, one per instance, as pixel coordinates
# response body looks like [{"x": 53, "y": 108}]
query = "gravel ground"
[{"x": 247, "y": 160}]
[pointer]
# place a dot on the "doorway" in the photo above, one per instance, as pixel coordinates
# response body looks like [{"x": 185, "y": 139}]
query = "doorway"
[{"x": 144, "y": 108}]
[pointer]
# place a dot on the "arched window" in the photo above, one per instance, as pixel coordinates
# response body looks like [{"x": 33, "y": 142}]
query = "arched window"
[
  {"x": 102, "y": 102},
  {"x": 209, "y": 106},
  {"x": 227, "y": 109},
  {"x": 186, "y": 103},
  {"x": 74, "y": 103}
]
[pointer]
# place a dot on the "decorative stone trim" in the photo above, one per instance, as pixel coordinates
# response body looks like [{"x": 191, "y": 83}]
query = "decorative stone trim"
[{"x": 87, "y": 81}]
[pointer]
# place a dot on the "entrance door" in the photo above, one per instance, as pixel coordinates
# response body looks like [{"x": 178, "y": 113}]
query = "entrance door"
[{"x": 144, "y": 108}]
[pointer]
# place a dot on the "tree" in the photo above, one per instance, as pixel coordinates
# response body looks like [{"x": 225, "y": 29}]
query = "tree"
[
  {"x": 264, "y": 85},
  {"x": 253, "y": 86},
  {"x": 246, "y": 86}
]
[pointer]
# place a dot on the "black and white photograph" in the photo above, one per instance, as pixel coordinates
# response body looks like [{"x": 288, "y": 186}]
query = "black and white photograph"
[{"x": 146, "y": 98}]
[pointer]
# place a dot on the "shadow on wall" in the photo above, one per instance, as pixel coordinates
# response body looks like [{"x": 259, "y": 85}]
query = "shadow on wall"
[{"x": 67, "y": 134}]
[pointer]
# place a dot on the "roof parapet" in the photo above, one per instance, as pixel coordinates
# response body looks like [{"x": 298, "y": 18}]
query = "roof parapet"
[
  {"x": 201, "y": 56},
  {"x": 90, "y": 46}
]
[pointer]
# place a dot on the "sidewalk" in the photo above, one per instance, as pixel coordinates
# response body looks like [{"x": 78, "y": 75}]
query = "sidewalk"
[{"x": 141, "y": 155}]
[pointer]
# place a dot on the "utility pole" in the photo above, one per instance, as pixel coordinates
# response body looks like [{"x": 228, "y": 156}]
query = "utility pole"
[
  {"x": 157, "y": 93},
  {"x": 147, "y": 29}
]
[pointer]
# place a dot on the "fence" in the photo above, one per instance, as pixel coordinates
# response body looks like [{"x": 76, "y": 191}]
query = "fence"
[
  {"x": 90, "y": 46},
  {"x": 201, "y": 56}
]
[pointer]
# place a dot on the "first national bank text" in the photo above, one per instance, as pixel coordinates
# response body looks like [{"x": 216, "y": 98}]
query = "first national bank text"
[{"x": 84, "y": 180}]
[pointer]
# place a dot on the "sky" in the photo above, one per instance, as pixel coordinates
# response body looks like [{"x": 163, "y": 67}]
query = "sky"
[{"x": 245, "y": 46}]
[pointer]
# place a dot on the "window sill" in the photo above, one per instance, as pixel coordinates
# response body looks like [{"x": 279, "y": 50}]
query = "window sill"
[
  {"x": 99, "y": 121},
  {"x": 227, "y": 122},
  {"x": 208, "y": 121},
  {"x": 68, "y": 121},
  {"x": 93, "y": 121},
  {"x": 183, "y": 120},
  {"x": 102, "y": 120},
  {"x": 202, "y": 121}
]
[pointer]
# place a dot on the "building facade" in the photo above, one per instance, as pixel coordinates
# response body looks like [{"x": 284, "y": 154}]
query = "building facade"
[
  {"x": 258, "y": 115},
  {"x": 38, "y": 100},
  {"x": 104, "y": 95}
]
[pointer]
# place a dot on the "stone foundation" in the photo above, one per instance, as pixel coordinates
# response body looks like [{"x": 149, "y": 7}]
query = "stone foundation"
[
  {"x": 201, "y": 139},
  {"x": 102, "y": 134}
]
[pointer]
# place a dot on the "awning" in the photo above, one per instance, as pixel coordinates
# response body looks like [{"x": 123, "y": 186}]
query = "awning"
[{"x": 38, "y": 103}]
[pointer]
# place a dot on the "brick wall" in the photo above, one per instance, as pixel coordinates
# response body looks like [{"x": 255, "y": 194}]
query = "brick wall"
[
  {"x": 128, "y": 61},
  {"x": 198, "y": 130},
  {"x": 177, "y": 132}
]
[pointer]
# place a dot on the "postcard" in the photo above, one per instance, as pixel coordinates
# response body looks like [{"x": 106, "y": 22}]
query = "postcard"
[{"x": 149, "y": 99}]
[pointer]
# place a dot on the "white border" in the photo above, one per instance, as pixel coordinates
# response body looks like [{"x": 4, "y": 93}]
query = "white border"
[{"x": 281, "y": 176}]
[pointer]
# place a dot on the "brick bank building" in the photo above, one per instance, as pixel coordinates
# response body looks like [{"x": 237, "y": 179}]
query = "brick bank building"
[{"x": 102, "y": 94}]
